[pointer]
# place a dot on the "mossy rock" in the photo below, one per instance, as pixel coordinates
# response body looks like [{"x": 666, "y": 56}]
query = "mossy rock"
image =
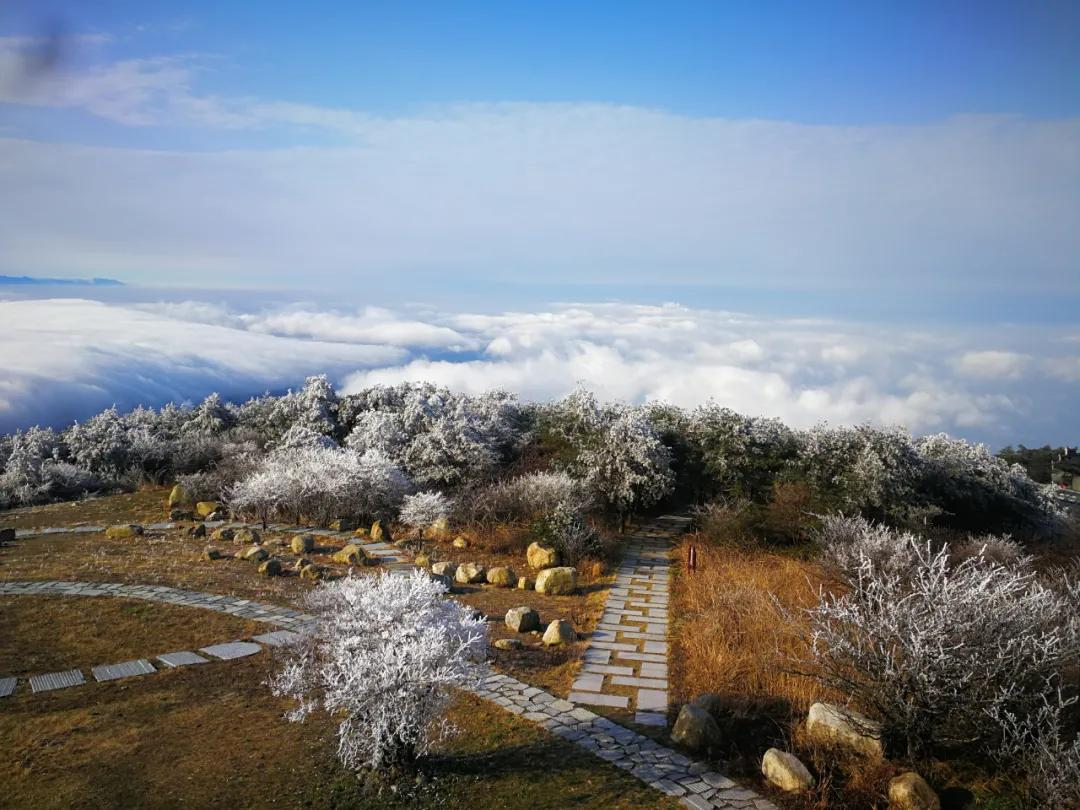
[
  {"x": 206, "y": 508},
  {"x": 302, "y": 543},
  {"x": 246, "y": 536},
  {"x": 179, "y": 496},
  {"x": 350, "y": 555},
  {"x": 124, "y": 530}
]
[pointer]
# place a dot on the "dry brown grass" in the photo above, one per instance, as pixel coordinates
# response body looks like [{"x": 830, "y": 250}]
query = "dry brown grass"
[{"x": 732, "y": 634}]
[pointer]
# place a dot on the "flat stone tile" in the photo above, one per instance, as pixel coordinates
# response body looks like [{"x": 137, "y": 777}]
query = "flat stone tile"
[
  {"x": 7, "y": 686},
  {"x": 56, "y": 680},
  {"x": 597, "y": 656},
  {"x": 589, "y": 683},
  {"x": 277, "y": 638},
  {"x": 655, "y": 647},
  {"x": 181, "y": 659},
  {"x": 650, "y": 719},
  {"x": 602, "y": 669},
  {"x": 651, "y": 670},
  {"x": 652, "y": 700},
  {"x": 641, "y": 683},
  {"x": 232, "y": 649},
  {"x": 636, "y": 656},
  {"x": 598, "y": 699},
  {"x": 126, "y": 669}
]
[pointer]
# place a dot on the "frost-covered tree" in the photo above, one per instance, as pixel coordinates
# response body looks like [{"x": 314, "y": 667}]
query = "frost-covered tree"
[
  {"x": 211, "y": 418},
  {"x": 26, "y": 472},
  {"x": 424, "y": 509},
  {"x": 299, "y": 437},
  {"x": 385, "y": 656},
  {"x": 742, "y": 456},
  {"x": 100, "y": 444},
  {"x": 525, "y": 498},
  {"x": 935, "y": 651}
]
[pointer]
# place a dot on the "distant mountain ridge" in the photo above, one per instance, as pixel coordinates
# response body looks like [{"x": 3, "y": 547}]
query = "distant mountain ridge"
[{"x": 82, "y": 282}]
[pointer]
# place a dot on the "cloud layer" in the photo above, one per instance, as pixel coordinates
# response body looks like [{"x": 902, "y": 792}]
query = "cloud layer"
[{"x": 65, "y": 359}]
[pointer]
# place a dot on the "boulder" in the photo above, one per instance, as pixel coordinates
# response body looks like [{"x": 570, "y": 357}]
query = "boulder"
[
  {"x": 460, "y": 542},
  {"x": 302, "y": 543},
  {"x": 206, "y": 508},
  {"x": 909, "y": 791},
  {"x": 445, "y": 568},
  {"x": 253, "y": 554},
  {"x": 271, "y": 568},
  {"x": 197, "y": 531},
  {"x": 343, "y": 525},
  {"x": 179, "y": 496},
  {"x": 7, "y": 535},
  {"x": 301, "y": 564},
  {"x": 311, "y": 572},
  {"x": 829, "y": 723},
  {"x": 380, "y": 532},
  {"x": 785, "y": 771},
  {"x": 540, "y": 557},
  {"x": 350, "y": 555},
  {"x": 177, "y": 514},
  {"x": 695, "y": 729},
  {"x": 522, "y": 619},
  {"x": 557, "y": 581},
  {"x": 502, "y": 577},
  {"x": 361, "y": 532},
  {"x": 422, "y": 560},
  {"x": 124, "y": 530},
  {"x": 559, "y": 632},
  {"x": 210, "y": 553},
  {"x": 446, "y": 581},
  {"x": 469, "y": 573},
  {"x": 526, "y": 583},
  {"x": 223, "y": 534},
  {"x": 507, "y": 644},
  {"x": 246, "y": 536}
]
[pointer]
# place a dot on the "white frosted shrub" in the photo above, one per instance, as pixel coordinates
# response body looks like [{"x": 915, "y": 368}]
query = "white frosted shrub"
[
  {"x": 847, "y": 543},
  {"x": 998, "y": 548},
  {"x": 385, "y": 656},
  {"x": 424, "y": 508},
  {"x": 935, "y": 651},
  {"x": 525, "y": 498}
]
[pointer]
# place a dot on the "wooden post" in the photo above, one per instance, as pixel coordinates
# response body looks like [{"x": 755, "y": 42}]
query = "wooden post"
[{"x": 691, "y": 558}]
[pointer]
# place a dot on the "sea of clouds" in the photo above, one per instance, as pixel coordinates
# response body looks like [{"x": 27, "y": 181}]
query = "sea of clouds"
[{"x": 64, "y": 359}]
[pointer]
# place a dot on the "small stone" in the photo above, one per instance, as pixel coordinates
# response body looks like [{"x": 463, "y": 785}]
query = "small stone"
[
  {"x": 522, "y": 619},
  {"x": 909, "y": 791},
  {"x": 220, "y": 514},
  {"x": 445, "y": 568},
  {"x": 785, "y": 771},
  {"x": 460, "y": 542},
  {"x": 222, "y": 534},
  {"x": 830, "y": 723},
  {"x": 469, "y": 573},
  {"x": 253, "y": 554},
  {"x": 361, "y": 532},
  {"x": 526, "y": 584},
  {"x": 206, "y": 508},
  {"x": 122, "y": 531},
  {"x": 444, "y": 580},
  {"x": 422, "y": 561},
  {"x": 695, "y": 729},
  {"x": 301, "y": 564},
  {"x": 177, "y": 514},
  {"x": 343, "y": 525},
  {"x": 310, "y": 572},
  {"x": 559, "y": 632},
  {"x": 540, "y": 557},
  {"x": 179, "y": 496},
  {"x": 501, "y": 576},
  {"x": 302, "y": 543},
  {"x": 557, "y": 581},
  {"x": 7, "y": 535},
  {"x": 271, "y": 568},
  {"x": 197, "y": 532},
  {"x": 350, "y": 555},
  {"x": 210, "y": 553},
  {"x": 507, "y": 644},
  {"x": 246, "y": 536}
]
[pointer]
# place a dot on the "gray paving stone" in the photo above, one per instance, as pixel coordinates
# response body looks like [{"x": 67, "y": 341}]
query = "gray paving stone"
[
  {"x": 232, "y": 649},
  {"x": 181, "y": 659},
  {"x": 652, "y": 700},
  {"x": 600, "y": 699},
  {"x": 607, "y": 670},
  {"x": 589, "y": 683},
  {"x": 650, "y": 718},
  {"x": 56, "y": 680},
  {"x": 125, "y": 669},
  {"x": 7, "y": 686},
  {"x": 643, "y": 683},
  {"x": 277, "y": 638}
]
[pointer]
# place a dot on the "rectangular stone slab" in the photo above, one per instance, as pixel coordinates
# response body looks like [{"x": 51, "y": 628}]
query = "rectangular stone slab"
[
  {"x": 127, "y": 669},
  {"x": 56, "y": 680},
  {"x": 232, "y": 649},
  {"x": 181, "y": 659},
  {"x": 277, "y": 638},
  {"x": 618, "y": 701},
  {"x": 7, "y": 686}
]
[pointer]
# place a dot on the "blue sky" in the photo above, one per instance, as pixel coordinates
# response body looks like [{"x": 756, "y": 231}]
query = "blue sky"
[{"x": 907, "y": 168}]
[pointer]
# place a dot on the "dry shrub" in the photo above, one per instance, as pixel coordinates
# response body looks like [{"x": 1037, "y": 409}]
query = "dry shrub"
[
  {"x": 731, "y": 523},
  {"x": 733, "y": 637},
  {"x": 790, "y": 514}
]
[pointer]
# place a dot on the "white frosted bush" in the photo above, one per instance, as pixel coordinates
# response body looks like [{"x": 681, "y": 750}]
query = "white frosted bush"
[
  {"x": 384, "y": 657},
  {"x": 848, "y": 543},
  {"x": 424, "y": 508},
  {"x": 935, "y": 651},
  {"x": 525, "y": 498}
]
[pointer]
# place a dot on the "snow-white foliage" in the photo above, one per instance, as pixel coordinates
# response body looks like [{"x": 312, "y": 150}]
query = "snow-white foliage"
[
  {"x": 321, "y": 483},
  {"x": 525, "y": 498},
  {"x": 384, "y": 657},
  {"x": 210, "y": 418},
  {"x": 846, "y": 542},
  {"x": 566, "y": 529},
  {"x": 1037, "y": 743},
  {"x": 999, "y": 548},
  {"x": 300, "y": 436},
  {"x": 26, "y": 477},
  {"x": 625, "y": 463},
  {"x": 742, "y": 454},
  {"x": 424, "y": 508},
  {"x": 934, "y": 651}
]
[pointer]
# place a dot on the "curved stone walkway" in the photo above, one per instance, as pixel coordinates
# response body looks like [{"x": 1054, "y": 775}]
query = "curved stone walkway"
[{"x": 666, "y": 770}]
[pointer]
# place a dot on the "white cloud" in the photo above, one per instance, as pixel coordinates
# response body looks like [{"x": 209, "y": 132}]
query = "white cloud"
[{"x": 993, "y": 364}]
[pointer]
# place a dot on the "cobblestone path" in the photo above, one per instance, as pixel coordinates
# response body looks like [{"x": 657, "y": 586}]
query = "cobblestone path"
[
  {"x": 629, "y": 648},
  {"x": 694, "y": 783}
]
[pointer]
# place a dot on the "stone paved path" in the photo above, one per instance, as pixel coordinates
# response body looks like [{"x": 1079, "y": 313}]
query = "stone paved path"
[
  {"x": 629, "y": 648},
  {"x": 694, "y": 783}
]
